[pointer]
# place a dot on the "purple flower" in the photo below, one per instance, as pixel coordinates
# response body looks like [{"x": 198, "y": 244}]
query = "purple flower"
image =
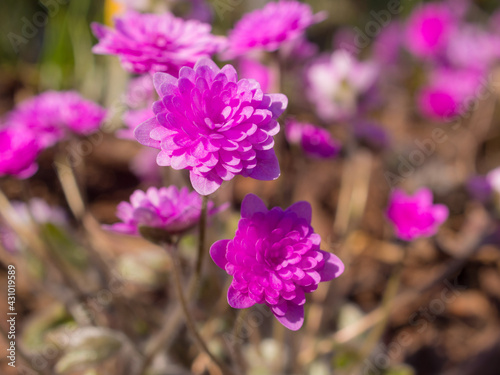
[
  {"x": 213, "y": 125},
  {"x": 415, "y": 216},
  {"x": 275, "y": 258},
  {"x": 316, "y": 142},
  {"x": 267, "y": 29},
  {"x": 371, "y": 134},
  {"x": 156, "y": 42},
  {"x": 18, "y": 152},
  {"x": 338, "y": 84},
  {"x": 144, "y": 166},
  {"x": 51, "y": 115},
  {"x": 448, "y": 93},
  {"x": 429, "y": 29},
  {"x": 479, "y": 188},
  {"x": 170, "y": 209}
]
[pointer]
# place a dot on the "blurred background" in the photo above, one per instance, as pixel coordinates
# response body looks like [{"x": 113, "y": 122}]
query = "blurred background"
[{"x": 444, "y": 314}]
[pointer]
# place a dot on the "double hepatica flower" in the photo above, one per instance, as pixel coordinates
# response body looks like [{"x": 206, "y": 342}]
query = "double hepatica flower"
[
  {"x": 275, "y": 259},
  {"x": 415, "y": 216},
  {"x": 213, "y": 125}
]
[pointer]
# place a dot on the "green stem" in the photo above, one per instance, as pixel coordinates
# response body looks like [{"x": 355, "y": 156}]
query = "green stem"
[{"x": 387, "y": 303}]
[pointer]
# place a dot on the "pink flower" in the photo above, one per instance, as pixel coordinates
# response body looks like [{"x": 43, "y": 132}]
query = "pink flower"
[
  {"x": 448, "y": 93},
  {"x": 275, "y": 259},
  {"x": 429, "y": 29},
  {"x": 337, "y": 85},
  {"x": 268, "y": 28},
  {"x": 170, "y": 209},
  {"x": 213, "y": 125},
  {"x": 316, "y": 142},
  {"x": 415, "y": 216},
  {"x": 156, "y": 42},
  {"x": 18, "y": 153},
  {"x": 52, "y": 115}
]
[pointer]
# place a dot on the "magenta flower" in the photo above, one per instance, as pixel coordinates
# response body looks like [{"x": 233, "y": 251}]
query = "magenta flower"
[
  {"x": 52, "y": 115},
  {"x": 429, "y": 29},
  {"x": 267, "y": 29},
  {"x": 275, "y": 258},
  {"x": 170, "y": 209},
  {"x": 156, "y": 42},
  {"x": 316, "y": 142},
  {"x": 448, "y": 93},
  {"x": 415, "y": 216},
  {"x": 338, "y": 85},
  {"x": 18, "y": 153},
  {"x": 139, "y": 97},
  {"x": 213, "y": 125}
]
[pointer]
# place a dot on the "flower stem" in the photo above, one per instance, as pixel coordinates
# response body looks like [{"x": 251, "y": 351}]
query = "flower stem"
[
  {"x": 236, "y": 352},
  {"x": 386, "y": 305},
  {"x": 201, "y": 241},
  {"x": 187, "y": 314}
]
